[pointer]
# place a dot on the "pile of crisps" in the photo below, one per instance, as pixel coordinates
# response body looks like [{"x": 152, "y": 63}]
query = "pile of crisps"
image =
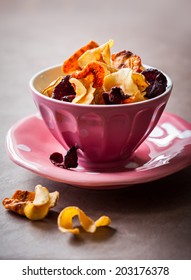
[
  {"x": 35, "y": 205},
  {"x": 93, "y": 72}
]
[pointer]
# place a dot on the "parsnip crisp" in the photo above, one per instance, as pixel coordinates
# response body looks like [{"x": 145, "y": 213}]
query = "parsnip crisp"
[
  {"x": 65, "y": 223},
  {"x": 34, "y": 205}
]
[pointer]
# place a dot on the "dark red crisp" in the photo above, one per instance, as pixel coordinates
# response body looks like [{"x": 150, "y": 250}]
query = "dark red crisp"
[
  {"x": 70, "y": 160},
  {"x": 56, "y": 159},
  {"x": 64, "y": 88},
  {"x": 157, "y": 81},
  {"x": 115, "y": 96}
]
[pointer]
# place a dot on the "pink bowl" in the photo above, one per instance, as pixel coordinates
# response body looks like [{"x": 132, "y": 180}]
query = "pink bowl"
[{"x": 107, "y": 135}]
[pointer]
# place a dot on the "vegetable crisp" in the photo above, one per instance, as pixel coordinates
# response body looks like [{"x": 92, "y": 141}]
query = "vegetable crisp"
[
  {"x": 33, "y": 205},
  {"x": 65, "y": 222}
]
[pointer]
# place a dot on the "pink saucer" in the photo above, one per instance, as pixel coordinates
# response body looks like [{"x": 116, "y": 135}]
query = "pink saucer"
[{"x": 165, "y": 151}]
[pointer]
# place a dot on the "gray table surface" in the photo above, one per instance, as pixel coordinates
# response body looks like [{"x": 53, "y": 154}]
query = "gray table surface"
[{"x": 150, "y": 220}]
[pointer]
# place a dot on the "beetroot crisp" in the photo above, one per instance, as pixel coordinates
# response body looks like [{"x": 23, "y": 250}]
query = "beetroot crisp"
[
  {"x": 157, "y": 81},
  {"x": 70, "y": 160}
]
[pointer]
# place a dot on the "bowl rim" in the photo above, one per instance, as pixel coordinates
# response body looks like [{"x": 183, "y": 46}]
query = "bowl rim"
[{"x": 39, "y": 73}]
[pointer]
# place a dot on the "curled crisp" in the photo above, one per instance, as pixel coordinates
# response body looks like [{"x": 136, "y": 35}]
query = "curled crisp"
[
  {"x": 94, "y": 73},
  {"x": 132, "y": 84},
  {"x": 33, "y": 205},
  {"x": 71, "y": 64},
  {"x": 100, "y": 54},
  {"x": 84, "y": 91},
  {"x": 65, "y": 223},
  {"x": 126, "y": 59}
]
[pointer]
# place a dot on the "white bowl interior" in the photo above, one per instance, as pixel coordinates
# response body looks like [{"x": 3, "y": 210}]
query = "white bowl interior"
[{"x": 42, "y": 79}]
